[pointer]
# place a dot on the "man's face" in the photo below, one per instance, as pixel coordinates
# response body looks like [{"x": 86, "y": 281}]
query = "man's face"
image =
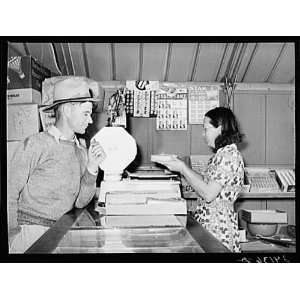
[{"x": 80, "y": 116}]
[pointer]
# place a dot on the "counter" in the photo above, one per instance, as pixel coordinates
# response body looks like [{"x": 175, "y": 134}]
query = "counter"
[{"x": 83, "y": 231}]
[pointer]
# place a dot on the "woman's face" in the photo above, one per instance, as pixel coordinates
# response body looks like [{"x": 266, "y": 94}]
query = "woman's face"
[{"x": 210, "y": 132}]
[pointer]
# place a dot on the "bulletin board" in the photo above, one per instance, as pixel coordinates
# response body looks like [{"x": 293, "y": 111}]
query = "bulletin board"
[{"x": 174, "y": 105}]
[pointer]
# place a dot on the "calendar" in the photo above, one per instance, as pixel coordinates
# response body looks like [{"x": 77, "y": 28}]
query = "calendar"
[
  {"x": 201, "y": 99},
  {"x": 172, "y": 110}
]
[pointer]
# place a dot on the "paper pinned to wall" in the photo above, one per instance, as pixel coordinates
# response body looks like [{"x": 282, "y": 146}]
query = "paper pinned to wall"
[
  {"x": 172, "y": 109},
  {"x": 202, "y": 99},
  {"x": 47, "y": 118}
]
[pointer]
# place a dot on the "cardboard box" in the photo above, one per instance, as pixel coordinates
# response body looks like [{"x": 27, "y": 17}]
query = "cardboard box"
[
  {"x": 264, "y": 216},
  {"x": 286, "y": 179},
  {"x": 11, "y": 148},
  {"x": 22, "y": 121},
  {"x": 27, "y": 95},
  {"x": 26, "y": 72}
]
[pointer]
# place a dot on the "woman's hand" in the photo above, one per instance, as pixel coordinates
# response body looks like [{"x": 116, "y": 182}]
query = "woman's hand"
[
  {"x": 96, "y": 155},
  {"x": 175, "y": 164}
]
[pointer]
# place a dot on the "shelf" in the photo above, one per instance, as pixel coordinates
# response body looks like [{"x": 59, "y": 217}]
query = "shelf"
[
  {"x": 249, "y": 195},
  {"x": 280, "y": 195}
]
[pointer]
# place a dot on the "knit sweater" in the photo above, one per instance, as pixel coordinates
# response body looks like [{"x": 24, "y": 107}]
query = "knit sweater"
[{"x": 47, "y": 177}]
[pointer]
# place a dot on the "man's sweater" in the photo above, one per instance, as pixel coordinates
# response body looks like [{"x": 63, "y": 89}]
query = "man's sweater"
[{"x": 47, "y": 177}]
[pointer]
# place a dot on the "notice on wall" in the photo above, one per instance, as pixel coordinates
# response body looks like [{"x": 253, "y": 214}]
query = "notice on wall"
[
  {"x": 172, "y": 110},
  {"x": 140, "y": 97},
  {"x": 201, "y": 99},
  {"x": 47, "y": 118}
]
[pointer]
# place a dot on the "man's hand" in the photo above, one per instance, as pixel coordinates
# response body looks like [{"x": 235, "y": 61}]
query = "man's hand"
[{"x": 96, "y": 155}]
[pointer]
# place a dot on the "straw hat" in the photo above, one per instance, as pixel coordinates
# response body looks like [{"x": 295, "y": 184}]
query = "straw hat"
[{"x": 71, "y": 90}]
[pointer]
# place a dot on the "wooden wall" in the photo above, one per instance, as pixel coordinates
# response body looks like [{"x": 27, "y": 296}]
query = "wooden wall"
[
  {"x": 267, "y": 117},
  {"x": 265, "y": 113}
]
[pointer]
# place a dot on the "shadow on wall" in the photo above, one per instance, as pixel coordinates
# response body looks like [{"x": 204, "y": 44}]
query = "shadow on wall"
[{"x": 243, "y": 145}]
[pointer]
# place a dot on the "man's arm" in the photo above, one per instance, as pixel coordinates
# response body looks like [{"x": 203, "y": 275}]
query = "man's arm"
[{"x": 88, "y": 181}]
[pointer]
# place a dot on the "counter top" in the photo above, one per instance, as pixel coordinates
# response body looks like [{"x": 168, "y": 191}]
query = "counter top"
[{"x": 79, "y": 231}]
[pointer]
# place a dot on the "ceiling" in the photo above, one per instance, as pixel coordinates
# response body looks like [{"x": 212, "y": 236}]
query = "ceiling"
[{"x": 179, "y": 62}]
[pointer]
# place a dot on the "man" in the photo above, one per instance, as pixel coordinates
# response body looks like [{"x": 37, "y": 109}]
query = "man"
[{"x": 52, "y": 171}]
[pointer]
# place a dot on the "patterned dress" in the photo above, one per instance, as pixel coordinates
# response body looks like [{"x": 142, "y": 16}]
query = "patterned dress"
[{"x": 227, "y": 168}]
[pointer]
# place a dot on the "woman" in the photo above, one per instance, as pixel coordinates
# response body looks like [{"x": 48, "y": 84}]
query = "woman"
[{"x": 220, "y": 185}]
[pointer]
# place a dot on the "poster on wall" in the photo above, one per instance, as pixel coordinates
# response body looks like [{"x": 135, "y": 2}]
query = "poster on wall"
[
  {"x": 172, "y": 109},
  {"x": 202, "y": 98},
  {"x": 47, "y": 117},
  {"x": 142, "y": 93}
]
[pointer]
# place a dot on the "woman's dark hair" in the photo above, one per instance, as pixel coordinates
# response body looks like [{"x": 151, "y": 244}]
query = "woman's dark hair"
[{"x": 230, "y": 131}]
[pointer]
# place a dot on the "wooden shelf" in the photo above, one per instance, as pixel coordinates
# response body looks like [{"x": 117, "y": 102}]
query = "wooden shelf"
[
  {"x": 249, "y": 195},
  {"x": 280, "y": 195}
]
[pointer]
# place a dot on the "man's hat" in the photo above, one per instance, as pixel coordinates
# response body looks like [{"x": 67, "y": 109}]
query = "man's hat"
[{"x": 71, "y": 90}]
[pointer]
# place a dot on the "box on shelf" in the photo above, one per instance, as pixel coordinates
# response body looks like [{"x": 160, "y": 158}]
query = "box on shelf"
[
  {"x": 22, "y": 121},
  {"x": 19, "y": 96},
  {"x": 264, "y": 216},
  {"x": 286, "y": 179},
  {"x": 11, "y": 148},
  {"x": 261, "y": 180},
  {"x": 23, "y": 74}
]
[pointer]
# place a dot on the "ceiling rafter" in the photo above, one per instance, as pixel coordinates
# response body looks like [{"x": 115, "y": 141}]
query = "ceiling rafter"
[
  {"x": 250, "y": 61},
  {"x": 222, "y": 61},
  {"x": 60, "y": 58},
  {"x": 113, "y": 61},
  {"x": 68, "y": 58},
  {"x": 55, "y": 59},
  {"x": 141, "y": 61},
  {"x": 26, "y": 49},
  {"x": 231, "y": 60},
  {"x": 239, "y": 60},
  {"x": 167, "y": 68},
  {"x": 279, "y": 57},
  {"x": 195, "y": 62},
  {"x": 72, "y": 60},
  {"x": 85, "y": 60}
]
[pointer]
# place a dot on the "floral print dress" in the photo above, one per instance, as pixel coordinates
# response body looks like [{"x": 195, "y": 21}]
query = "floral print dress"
[{"x": 227, "y": 168}]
